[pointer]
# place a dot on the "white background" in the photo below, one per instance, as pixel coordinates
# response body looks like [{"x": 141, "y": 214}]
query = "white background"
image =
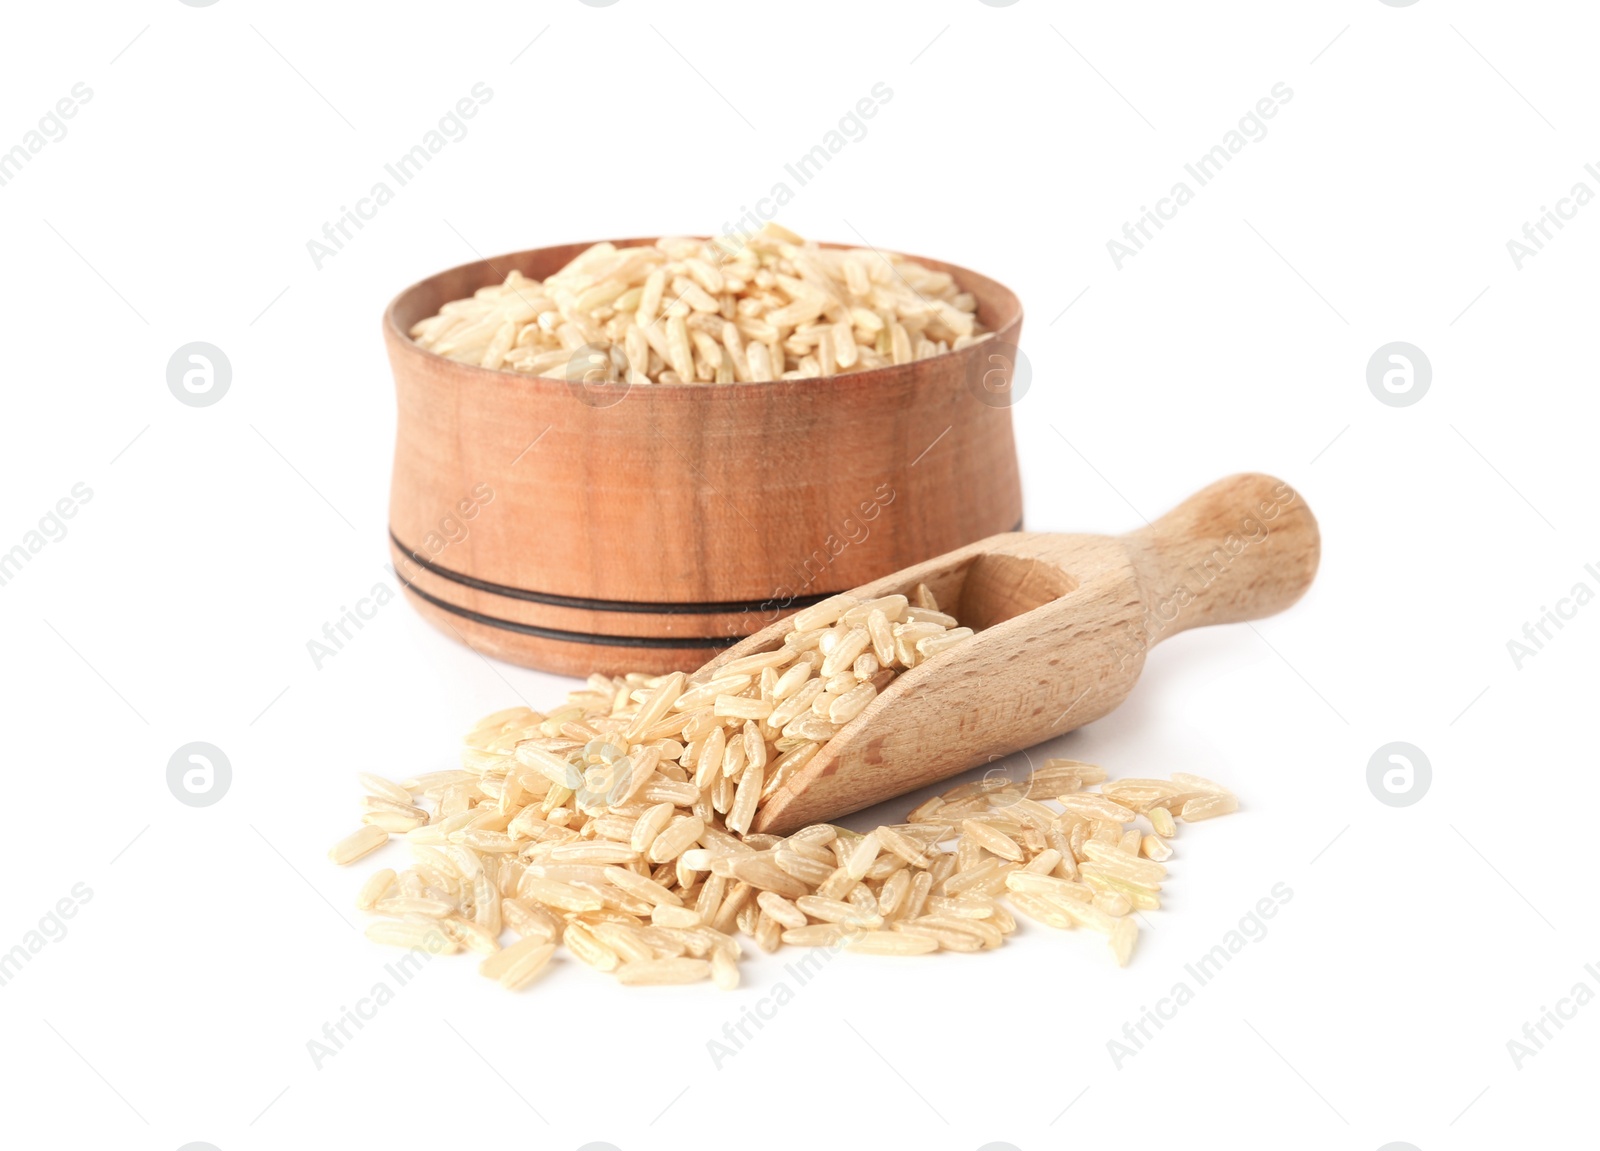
[{"x": 218, "y": 541}]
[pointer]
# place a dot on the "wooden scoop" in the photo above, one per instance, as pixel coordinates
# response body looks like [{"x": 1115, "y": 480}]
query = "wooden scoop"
[{"x": 1063, "y": 624}]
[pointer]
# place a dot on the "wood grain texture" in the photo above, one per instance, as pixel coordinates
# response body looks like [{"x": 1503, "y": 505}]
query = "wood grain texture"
[
  {"x": 752, "y": 498},
  {"x": 1066, "y": 622}
]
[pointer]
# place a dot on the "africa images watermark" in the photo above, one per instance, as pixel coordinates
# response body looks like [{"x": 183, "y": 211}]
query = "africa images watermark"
[
  {"x": 851, "y": 128},
  {"x": 738, "y": 1032},
  {"x": 815, "y": 565},
  {"x": 1536, "y": 633},
  {"x": 452, "y": 528},
  {"x": 52, "y": 528},
  {"x": 1252, "y": 129},
  {"x": 1253, "y": 529},
  {"x": 339, "y": 1031},
  {"x": 451, "y": 129},
  {"x": 52, "y": 129},
  {"x": 51, "y": 928},
  {"x": 1251, "y": 928},
  {"x": 1536, "y": 233},
  {"x": 1538, "y": 1032}
]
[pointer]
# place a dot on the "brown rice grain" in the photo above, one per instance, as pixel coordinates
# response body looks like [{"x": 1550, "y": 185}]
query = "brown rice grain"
[
  {"x": 817, "y": 934},
  {"x": 1209, "y": 808},
  {"x": 724, "y": 969},
  {"x": 375, "y": 888},
  {"x": 1192, "y": 782},
  {"x": 761, "y": 872},
  {"x": 386, "y": 789},
  {"x": 836, "y": 911},
  {"x": 411, "y": 934},
  {"x": 894, "y": 841},
  {"x": 988, "y": 933},
  {"x": 946, "y": 938},
  {"x": 561, "y": 896},
  {"x": 665, "y": 915},
  {"x": 1124, "y": 934},
  {"x": 786, "y": 913},
  {"x": 891, "y": 943},
  {"x": 363, "y": 841},
  {"x": 1156, "y": 848},
  {"x": 746, "y": 797},
  {"x": 662, "y": 972},
  {"x": 992, "y": 840},
  {"x": 1043, "y": 910},
  {"x": 681, "y": 833},
  {"x": 473, "y": 936},
  {"x": 400, "y": 905},
  {"x": 1095, "y": 807}
]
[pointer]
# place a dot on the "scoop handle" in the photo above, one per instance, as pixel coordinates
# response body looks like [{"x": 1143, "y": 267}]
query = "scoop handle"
[{"x": 1242, "y": 549}]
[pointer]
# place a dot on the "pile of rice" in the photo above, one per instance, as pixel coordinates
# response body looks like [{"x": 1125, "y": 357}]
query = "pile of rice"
[
  {"x": 618, "y": 825},
  {"x": 684, "y": 310}
]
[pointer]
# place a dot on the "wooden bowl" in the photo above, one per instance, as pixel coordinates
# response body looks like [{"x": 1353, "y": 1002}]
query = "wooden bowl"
[{"x": 581, "y": 528}]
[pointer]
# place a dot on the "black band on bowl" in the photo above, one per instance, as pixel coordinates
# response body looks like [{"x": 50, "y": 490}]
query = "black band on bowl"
[
  {"x": 733, "y": 607},
  {"x": 688, "y": 642}
]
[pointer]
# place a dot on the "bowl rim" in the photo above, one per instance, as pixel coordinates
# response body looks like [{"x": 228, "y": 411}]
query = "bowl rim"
[{"x": 401, "y": 340}]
